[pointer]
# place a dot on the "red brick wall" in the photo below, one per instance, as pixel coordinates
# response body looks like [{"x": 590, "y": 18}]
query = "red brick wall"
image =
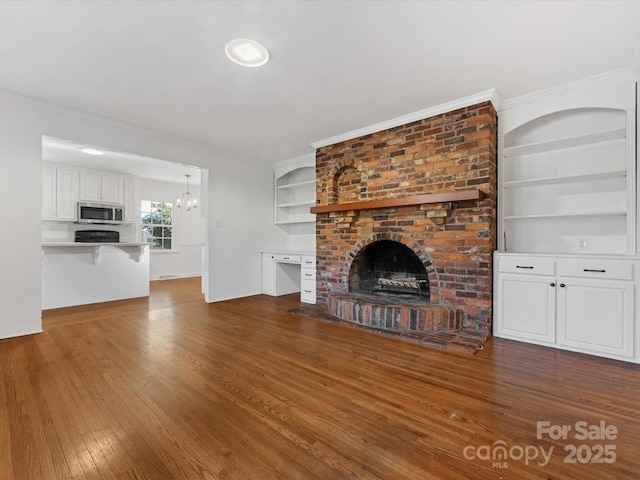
[{"x": 444, "y": 153}]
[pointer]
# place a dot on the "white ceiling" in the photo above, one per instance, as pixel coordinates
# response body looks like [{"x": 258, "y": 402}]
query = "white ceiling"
[
  {"x": 335, "y": 66},
  {"x": 70, "y": 153}
]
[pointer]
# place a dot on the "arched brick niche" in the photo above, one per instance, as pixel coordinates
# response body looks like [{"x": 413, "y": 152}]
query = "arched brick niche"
[
  {"x": 445, "y": 153},
  {"x": 345, "y": 186}
]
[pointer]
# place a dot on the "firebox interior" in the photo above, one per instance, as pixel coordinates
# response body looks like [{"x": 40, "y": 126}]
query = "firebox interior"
[{"x": 388, "y": 267}]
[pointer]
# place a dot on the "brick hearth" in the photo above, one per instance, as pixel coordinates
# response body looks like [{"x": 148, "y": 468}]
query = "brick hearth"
[
  {"x": 451, "y": 152},
  {"x": 380, "y": 312}
]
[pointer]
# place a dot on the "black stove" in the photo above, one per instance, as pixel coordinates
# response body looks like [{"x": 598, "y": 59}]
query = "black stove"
[{"x": 97, "y": 236}]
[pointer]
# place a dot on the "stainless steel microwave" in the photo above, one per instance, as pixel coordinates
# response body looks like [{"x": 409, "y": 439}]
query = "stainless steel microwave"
[{"x": 100, "y": 213}]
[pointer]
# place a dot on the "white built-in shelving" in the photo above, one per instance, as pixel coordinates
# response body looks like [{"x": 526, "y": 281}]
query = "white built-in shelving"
[
  {"x": 566, "y": 273},
  {"x": 567, "y": 175},
  {"x": 295, "y": 195}
]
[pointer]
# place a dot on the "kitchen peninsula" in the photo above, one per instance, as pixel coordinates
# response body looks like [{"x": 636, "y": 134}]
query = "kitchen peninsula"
[{"x": 81, "y": 273}]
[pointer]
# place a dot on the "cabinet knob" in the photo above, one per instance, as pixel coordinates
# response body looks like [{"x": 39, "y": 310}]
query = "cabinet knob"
[
  {"x": 552, "y": 284},
  {"x": 562, "y": 285}
]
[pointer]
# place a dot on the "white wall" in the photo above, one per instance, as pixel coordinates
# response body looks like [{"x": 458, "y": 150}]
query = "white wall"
[
  {"x": 188, "y": 231},
  {"x": 240, "y": 194},
  {"x": 241, "y": 226}
]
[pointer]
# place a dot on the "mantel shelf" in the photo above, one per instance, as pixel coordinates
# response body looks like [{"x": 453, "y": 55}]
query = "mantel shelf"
[{"x": 457, "y": 196}]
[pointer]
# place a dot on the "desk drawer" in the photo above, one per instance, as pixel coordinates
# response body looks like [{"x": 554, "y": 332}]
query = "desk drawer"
[
  {"x": 287, "y": 258},
  {"x": 308, "y": 291},
  {"x": 309, "y": 262},
  {"x": 308, "y": 274}
]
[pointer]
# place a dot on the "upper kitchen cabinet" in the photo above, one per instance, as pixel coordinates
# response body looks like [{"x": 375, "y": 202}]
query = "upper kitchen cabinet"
[
  {"x": 567, "y": 172},
  {"x": 102, "y": 187},
  {"x": 130, "y": 211},
  {"x": 59, "y": 192}
]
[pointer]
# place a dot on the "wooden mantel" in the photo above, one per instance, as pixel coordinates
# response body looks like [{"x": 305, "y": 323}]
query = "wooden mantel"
[{"x": 456, "y": 196}]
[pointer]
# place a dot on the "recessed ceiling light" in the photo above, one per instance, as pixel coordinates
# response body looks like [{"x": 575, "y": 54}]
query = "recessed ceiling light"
[
  {"x": 246, "y": 52},
  {"x": 92, "y": 151}
]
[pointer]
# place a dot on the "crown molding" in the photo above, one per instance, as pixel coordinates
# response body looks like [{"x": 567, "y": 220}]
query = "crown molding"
[{"x": 488, "y": 95}]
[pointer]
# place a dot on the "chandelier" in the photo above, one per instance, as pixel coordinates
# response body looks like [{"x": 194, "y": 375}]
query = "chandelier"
[{"x": 187, "y": 200}]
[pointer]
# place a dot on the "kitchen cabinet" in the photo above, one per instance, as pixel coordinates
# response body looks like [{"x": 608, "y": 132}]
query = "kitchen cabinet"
[
  {"x": 82, "y": 273},
  {"x": 130, "y": 209},
  {"x": 101, "y": 187},
  {"x": 584, "y": 304},
  {"x": 289, "y": 272},
  {"x": 59, "y": 193}
]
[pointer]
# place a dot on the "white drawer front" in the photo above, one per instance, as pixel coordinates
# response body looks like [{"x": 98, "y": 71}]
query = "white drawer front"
[
  {"x": 287, "y": 258},
  {"x": 308, "y": 291},
  {"x": 309, "y": 262},
  {"x": 594, "y": 268},
  {"x": 531, "y": 265},
  {"x": 308, "y": 274}
]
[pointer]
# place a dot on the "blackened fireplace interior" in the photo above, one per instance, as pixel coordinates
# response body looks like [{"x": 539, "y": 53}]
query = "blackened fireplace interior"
[{"x": 387, "y": 267}]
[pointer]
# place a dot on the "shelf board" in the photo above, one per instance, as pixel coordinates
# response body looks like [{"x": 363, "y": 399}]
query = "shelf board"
[
  {"x": 456, "y": 196},
  {"x": 567, "y": 179},
  {"x": 567, "y": 215},
  {"x": 306, "y": 203},
  {"x": 296, "y": 220},
  {"x": 571, "y": 142},
  {"x": 296, "y": 184}
]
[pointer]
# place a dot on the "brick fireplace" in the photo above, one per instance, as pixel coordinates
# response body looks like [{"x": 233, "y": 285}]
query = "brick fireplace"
[{"x": 428, "y": 187}]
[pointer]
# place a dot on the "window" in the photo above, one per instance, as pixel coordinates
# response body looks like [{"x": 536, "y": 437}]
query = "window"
[{"x": 156, "y": 219}]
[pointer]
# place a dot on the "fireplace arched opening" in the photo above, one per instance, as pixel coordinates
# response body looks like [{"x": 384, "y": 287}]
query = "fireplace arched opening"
[{"x": 389, "y": 268}]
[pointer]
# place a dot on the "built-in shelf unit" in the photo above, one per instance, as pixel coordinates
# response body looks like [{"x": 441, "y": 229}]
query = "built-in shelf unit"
[
  {"x": 567, "y": 176},
  {"x": 567, "y": 273},
  {"x": 295, "y": 193}
]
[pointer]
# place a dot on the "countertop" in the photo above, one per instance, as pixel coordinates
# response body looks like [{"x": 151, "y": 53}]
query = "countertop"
[
  {"x": 94, "y": 244},
  {"x": 289, "y": 252}
]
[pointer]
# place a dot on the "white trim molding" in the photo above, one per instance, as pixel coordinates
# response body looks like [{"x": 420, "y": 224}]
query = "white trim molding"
[{"x": 488, "y": 95}]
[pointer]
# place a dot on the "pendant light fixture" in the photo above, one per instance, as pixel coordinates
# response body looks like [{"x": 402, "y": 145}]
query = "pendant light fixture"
[{"x": 187, "y": 200}]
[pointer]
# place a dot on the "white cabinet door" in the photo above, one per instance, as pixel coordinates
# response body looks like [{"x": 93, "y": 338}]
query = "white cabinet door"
[
  {"x": 596, "y": 316},
  {"x": 268, "y": 274},
  {"x": 526, "y": 307},
  {"x": 130, "y": 211},
  {"x": 66, "y": 194},
  {"x": 90, "y": 187},
  {"x": 59, "y": 193},
  {"x": 112, "y": 189},
  {"x": 96, "y": 187},
  {"x": 49, "y": 183}
]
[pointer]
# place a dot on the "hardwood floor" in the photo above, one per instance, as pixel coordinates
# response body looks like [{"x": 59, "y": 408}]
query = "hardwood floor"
[{"x": 172, "y": 388}]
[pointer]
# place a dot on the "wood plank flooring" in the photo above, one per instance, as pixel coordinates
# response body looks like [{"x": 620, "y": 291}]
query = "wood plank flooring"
[{"x": 170, "y": 387}]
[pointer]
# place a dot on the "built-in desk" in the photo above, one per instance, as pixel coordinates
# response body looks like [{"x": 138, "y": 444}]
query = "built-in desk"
[{"x": 289, "y": 272}]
